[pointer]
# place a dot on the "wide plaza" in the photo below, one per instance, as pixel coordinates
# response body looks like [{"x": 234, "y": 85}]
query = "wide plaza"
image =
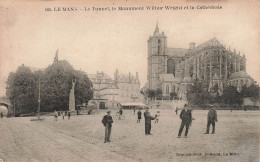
[{"x": 81, "y": 138}]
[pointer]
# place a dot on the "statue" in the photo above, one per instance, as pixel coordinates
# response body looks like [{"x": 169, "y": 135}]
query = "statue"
[{"x": 72, "y": 97}]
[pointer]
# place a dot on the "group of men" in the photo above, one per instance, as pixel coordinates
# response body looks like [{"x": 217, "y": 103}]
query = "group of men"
[
  {"x": 185, "y": 116},
  {"x": 63, "y": 114}
]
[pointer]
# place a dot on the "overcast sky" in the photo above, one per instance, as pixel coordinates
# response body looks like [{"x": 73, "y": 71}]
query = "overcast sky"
[{"x": 104, "y": 41}]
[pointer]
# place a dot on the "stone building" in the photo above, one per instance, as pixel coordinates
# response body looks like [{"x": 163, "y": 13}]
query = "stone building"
[
  {"x": 174, "y": 69},
  {"x": 111, "y": 92},
  {"x": 129, "y": 87},
  {"x": 105, "y": 90}
]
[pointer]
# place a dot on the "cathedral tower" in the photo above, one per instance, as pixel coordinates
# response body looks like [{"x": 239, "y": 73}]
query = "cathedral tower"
[{"x": 157, "y": 45}]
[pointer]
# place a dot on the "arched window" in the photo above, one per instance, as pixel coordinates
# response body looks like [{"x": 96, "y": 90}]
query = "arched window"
[
  {"x": 171, "y": 67},
  {"x": 167, "y": 89},
  {"x": 159, "y": 46}
]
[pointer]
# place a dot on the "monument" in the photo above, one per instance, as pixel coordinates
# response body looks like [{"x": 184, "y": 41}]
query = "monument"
[{"x": 72, "y": 97}]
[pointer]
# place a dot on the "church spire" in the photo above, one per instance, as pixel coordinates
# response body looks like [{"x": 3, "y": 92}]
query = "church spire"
[
  {"x": 157, "y": 28},
  {"x": 56, "y": 58}
]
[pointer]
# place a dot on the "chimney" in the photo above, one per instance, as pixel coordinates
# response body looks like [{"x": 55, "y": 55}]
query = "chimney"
[
  {"x": 137, "y": 77},
  {"x": 116, "y": 75},
  {"x": 192, "y": 45}
]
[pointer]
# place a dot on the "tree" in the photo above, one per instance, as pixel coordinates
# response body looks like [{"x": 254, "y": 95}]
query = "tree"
[
  {"x": 252, "y": 91},
  {"x": 151, "y": 94},
  {"x": 21, "y": 89},
  {"x": 56, "y": 85},
  {"x": 158, "y": 93},
  {"x": 231, "y": 96},
  {"x": 173, "y": 95},
  {"x": 56, "y": 82},
  {"x": 198, "y": 94},
  {"x": 83, "y": 88}
]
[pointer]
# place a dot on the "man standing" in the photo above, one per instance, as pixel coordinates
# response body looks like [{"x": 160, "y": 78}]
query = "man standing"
[
  {"x": 212, "y": 117},
  {"x": 139, "y": 116},
  {"x": 107, "y": 121},
  {"x": 69, "y": 113},
  {"x": 176, "y": 110},
  {"x": 186, "y": 118},
  {"x": 148, "y": 119},
  {"x": 63, "y": 114},
  {"x": 55, "y": 115},
  {"x": 120, "y": 113}
]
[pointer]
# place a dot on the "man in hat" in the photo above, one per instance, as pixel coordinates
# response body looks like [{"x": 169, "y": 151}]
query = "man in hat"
[
  {"x": 186, "y": 118},
  {"x": 139, "y": 116},
  {"x": 148, "y": 124},
  {"x": 107, "y": 121},
  {"x": 212, "y": 118}
]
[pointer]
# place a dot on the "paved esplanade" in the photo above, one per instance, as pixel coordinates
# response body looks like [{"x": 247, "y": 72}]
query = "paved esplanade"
[{"x": 24, "y": 140}]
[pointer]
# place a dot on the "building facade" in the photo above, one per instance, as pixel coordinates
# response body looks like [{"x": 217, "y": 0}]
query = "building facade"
[
  {"x": 129, "y": 87},
  {"x": 111, "y": 92},
  {"x": 105, "y": 90},
  {"x": 175, "y": 69}
]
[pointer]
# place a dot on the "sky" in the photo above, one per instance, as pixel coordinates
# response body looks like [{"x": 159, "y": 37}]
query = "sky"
[{"x": 105, "y": 41}]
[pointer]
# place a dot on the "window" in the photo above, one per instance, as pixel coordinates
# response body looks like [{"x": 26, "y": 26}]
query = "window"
[
  {"x": 167, "y": 89},
  {"x": 159, "y": 46}
]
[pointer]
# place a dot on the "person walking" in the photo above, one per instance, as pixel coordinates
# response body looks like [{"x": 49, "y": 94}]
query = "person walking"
[
  {"x": 2, "y": 114},
  {"x": 186, "y": 118},
  {"x": 157, "y": 116},
  {"x": 107, "y": 122},
  {"x": 63, "y": 114},
  {"x": 69, "y": 113},
  {"x": 139, "y": 116},
  {"x": 55, "y": 115},
  {"x": 176, "y": 110},
  {"x": 120, "y": 113},
  {"x": 212, "y": 118},
  {"x": 148, "y": 124}
]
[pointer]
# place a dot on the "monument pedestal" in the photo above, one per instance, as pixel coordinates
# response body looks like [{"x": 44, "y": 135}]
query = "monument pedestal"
[{"x": 72, "y": 98}]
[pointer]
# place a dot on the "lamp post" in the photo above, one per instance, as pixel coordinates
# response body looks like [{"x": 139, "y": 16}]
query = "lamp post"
[
  {"x": 14, "y": 107},
  {"x": 39, "y": 101}
]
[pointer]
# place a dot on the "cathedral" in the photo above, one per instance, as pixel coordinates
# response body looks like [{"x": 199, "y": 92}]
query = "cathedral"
[{"x": 175, "y": 69}]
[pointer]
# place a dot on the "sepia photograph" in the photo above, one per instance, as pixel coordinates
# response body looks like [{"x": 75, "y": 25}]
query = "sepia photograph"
[{"x": 129, "y": 80}]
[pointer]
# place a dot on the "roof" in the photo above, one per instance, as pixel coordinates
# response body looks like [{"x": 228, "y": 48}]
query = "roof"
[
  {"x": 177, "y": 52},
  {"x": 180, "y": 52},
  {"x": 216, "y": 77},
  {"x": 110, "y": 86},
  {"x": 211, "y": 42},
  {"x": 168, "y": 78},
  {"x": 134, "y": 104},
  {"x": 102, "y": 75},
  {"x": 239, "y": 75},
  {"x": 187, "y": 80}
]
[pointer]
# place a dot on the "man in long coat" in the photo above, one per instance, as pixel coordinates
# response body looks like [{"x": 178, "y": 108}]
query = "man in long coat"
[
  {"x": 212, "y": 118},
  {"x": 107, "y": 122},
  {"x": 186, "y": 118},
  {"x": 148, "y": 124}
]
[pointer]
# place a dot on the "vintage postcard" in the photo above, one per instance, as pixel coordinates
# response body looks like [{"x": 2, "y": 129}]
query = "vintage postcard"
[{"x": 129, "y": 80}]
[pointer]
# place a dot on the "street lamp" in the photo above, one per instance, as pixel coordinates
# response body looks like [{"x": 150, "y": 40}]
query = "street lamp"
[
  {"x": 39, "y": 101},
  {"x": 39, "y": 105}
]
